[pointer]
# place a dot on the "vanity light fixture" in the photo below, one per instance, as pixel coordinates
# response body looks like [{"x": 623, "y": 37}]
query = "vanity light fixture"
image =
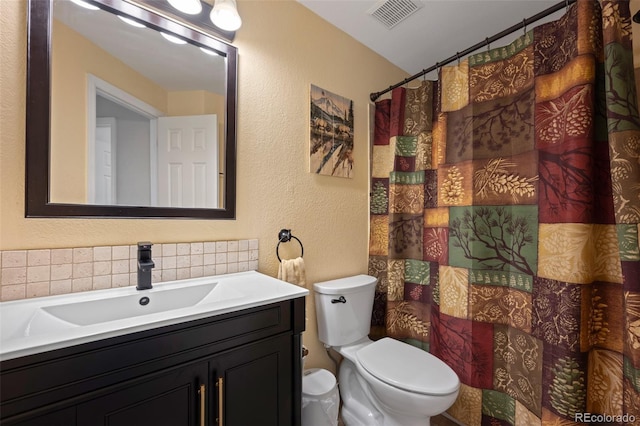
[
  {"x": 173, "y": 39},
  {"x": 225, "y": 15},
  {"x": 85, "y": 5},
  {"x": 190, "y": 7},
  {"x": 131, "y": 22}
]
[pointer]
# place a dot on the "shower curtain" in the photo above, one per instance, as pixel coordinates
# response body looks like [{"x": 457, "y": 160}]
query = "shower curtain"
[{"x": 504, "y": 217}]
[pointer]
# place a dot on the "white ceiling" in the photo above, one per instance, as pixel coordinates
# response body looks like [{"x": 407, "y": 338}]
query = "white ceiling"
[
  {"x": 435, "y": 32},
  {"x": 172, "y": 66}
]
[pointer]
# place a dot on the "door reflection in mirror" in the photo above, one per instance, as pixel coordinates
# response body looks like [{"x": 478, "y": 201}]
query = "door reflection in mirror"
[{"x": 108, "y": 143}]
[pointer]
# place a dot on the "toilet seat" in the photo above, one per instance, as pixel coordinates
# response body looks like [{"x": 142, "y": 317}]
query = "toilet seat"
[{"x": 407, "y": 367}]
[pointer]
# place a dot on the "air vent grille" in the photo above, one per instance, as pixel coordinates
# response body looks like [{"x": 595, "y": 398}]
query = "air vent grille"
[{"x": 392, "y": 12}]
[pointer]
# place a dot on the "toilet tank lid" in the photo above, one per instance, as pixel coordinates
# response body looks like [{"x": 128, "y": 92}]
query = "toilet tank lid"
[
  {"x": 407, "y": 367},
  {"x": 345, "y": 285}
]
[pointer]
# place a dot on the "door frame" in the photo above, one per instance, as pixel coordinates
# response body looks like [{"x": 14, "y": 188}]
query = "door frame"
[{"x": 96, "y": 86}]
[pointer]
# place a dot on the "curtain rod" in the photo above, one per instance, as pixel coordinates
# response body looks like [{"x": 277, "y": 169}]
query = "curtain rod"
[{"x": 477, "y": 46}]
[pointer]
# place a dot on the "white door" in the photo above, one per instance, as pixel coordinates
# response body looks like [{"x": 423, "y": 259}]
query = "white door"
[
  {"x": 188, "y": 161},
  {"x": 105, "y": 158}
]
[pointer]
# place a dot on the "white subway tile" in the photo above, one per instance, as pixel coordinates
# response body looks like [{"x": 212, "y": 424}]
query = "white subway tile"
[
  {"x": 197, "y": 248},
  {"x": 38, "y": 257},
  {"x": 102, "y": 282},
  {"x": 34, "y": 273},
  {"x": 120, "y": 266},
  {"x": 12, "y": 276},
  {"x": 60, "y": 287},
  {"x": 197, "y": 271},
  {"x": 100, "y": 268},
  {"x": 169, "y": 262},
  {"x": 13, "y": 292},
  {"x": 168, "y": 275},
  {"x": 82, "y": 254},
  {"x": 120, "y": 280},
  {"x": 38, "y": 273},
  {"x": 183, "y": 261},
  {"x": 197, "y": 259},
  {"x": 14, "y": 258},
  {"x": 119, "y": 252},
  {"x": 81, "y": 284},
  {"x": 101, "y": 254},
  {"x": 169, "y": 249},
  {"x": 209, "y": 259},
  {"x": 38, "y": 289},
  {"x": 60, "y": 256},
  {"x": 61, "y": 272},
  {"x": 183, "y": 273},
  {"x": 82, "y": 270}
]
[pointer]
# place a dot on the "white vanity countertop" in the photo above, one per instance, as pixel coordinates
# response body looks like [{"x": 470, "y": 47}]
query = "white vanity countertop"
[{"x": 31, "y": 326}]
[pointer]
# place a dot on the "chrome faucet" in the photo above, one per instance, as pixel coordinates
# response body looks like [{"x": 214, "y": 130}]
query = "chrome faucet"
[{"x": 145, "y": 264}]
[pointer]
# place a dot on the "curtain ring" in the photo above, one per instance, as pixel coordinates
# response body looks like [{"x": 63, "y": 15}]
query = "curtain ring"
[
  {"x": 488, "y": 44},
  {"x": 458, "y": 57},
  {"x": 524, "y": 25},
  {"x": 566, "y": 2}
]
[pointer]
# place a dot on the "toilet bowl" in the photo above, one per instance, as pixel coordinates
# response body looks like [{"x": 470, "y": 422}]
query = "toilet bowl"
[{"x": 386, "y": 382}]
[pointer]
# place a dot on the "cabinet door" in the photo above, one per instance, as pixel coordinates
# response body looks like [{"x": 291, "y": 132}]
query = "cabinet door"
[
  {"x": 66, "y": 417},
  {"x": 254, "y": 384},
  {"x": 171, "y": 397}
]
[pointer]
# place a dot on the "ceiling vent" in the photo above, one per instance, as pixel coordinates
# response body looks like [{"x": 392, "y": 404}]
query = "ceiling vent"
[{"x": 392, "y": 12}]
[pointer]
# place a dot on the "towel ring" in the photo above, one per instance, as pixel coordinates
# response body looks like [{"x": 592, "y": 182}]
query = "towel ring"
[{"x": 285, "y": 236}]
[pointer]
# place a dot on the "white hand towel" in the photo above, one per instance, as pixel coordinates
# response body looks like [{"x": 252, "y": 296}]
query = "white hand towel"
[{"x": 292, "y": 271}]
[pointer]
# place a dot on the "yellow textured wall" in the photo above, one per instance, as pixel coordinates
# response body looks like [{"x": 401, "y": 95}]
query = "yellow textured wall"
[{"x": 283, "y": 48}]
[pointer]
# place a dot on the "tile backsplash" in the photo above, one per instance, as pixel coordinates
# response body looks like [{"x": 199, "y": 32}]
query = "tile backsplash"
[{"x": 44, "y": 272}]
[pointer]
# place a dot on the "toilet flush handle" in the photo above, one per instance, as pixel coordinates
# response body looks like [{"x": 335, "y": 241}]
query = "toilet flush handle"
[{"x": 341, "y": 299}]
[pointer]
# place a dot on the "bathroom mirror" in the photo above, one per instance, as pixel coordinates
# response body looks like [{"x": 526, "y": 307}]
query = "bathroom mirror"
[{"x": 127, "y": 119}]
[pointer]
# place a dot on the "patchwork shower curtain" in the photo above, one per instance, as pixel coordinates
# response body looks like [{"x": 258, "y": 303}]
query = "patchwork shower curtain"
[{"x": 505, "y": 211}]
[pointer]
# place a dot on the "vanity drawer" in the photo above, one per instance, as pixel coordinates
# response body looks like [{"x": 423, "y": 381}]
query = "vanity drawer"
[{"x": 70, "y": 373}]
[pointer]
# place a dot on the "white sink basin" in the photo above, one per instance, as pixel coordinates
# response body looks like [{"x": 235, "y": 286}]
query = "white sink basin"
[
  {"x": 35, "y": 325},
  {"x": 143, "y": 303}
]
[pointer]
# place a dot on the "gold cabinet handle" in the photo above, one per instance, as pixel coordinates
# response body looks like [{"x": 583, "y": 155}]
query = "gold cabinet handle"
[
  {"x": 203, "y": 401},
  {"x": 220, "y": 386}
]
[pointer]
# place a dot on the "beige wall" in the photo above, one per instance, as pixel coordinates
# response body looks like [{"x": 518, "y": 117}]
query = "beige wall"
[{"x": 283, "y": 48}]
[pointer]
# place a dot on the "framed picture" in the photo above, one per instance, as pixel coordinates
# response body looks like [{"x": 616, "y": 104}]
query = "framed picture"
[{"x": 330, "y": 134}]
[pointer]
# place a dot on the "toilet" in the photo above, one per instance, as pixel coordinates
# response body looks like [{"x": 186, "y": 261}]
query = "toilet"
[{"x": 386, "y": 382}]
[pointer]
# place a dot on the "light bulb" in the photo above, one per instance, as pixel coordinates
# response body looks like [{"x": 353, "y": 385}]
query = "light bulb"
[
  {"x": 209, "y": 51},
  {"x": 173, "y": 39},
  {"x": 131, "y": 22},
  {"x": 85, "y": 5},
  {"x": 190, "y": 7},
  {"x": 225, "y": 15}
]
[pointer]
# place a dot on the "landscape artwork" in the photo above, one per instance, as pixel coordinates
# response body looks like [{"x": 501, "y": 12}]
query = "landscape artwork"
[{"x": 331, "y": 134}]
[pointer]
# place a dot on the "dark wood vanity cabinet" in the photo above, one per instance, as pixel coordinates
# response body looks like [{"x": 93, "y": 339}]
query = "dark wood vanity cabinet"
[{"x": 242, "y": 368}]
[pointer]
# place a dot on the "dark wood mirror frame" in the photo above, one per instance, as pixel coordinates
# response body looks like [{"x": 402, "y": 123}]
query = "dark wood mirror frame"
[{"x": 37, "y": 172}]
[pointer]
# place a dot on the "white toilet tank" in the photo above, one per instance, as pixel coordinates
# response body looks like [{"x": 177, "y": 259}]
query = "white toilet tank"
[{"x": 343, "y": 309}]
